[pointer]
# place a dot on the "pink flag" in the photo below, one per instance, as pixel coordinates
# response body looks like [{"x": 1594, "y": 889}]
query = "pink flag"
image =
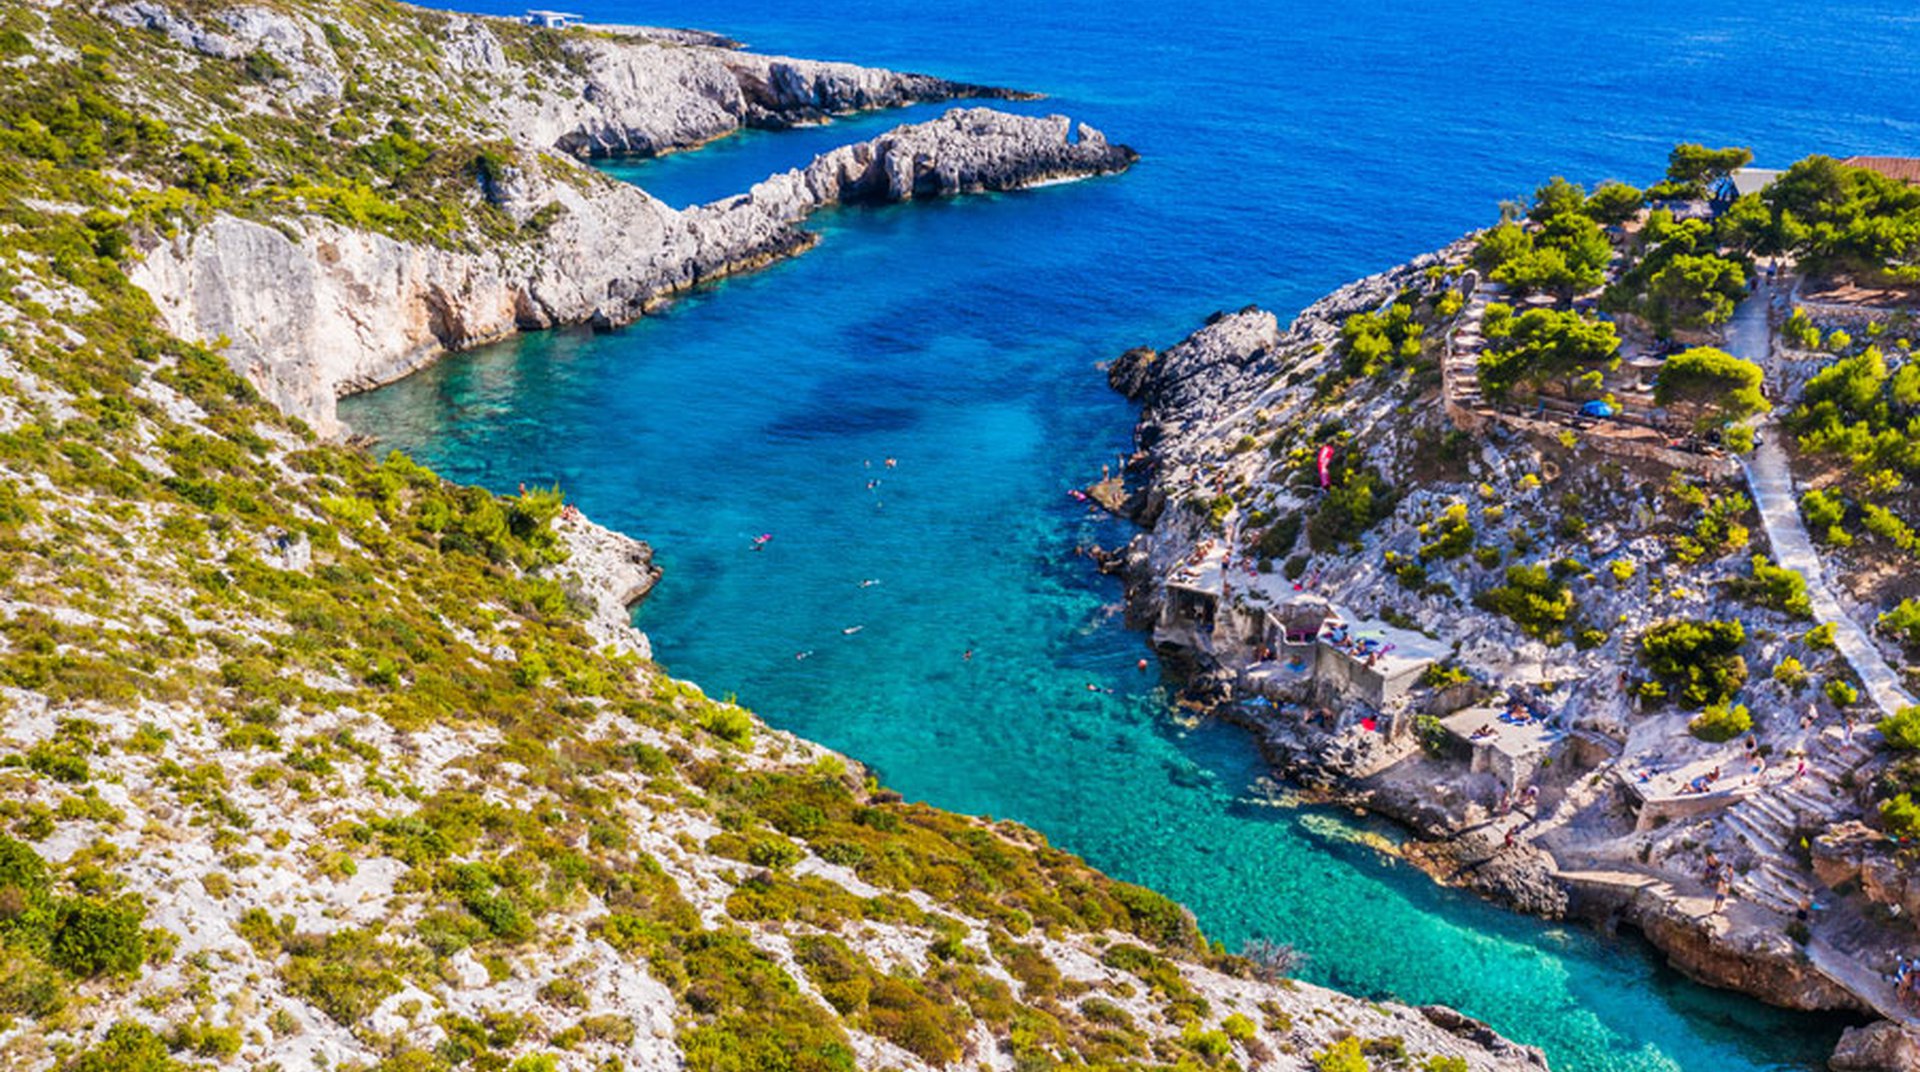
[{"x": 1326, "y": 460}]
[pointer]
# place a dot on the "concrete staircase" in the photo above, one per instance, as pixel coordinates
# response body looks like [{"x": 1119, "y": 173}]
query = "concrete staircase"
[
  {"x": 1460, "y": 374},
  {"x": 1768, "y": 820}
]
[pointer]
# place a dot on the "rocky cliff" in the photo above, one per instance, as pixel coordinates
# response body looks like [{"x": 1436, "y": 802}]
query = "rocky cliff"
[
  {"x": 1507, "y": 568},
  {"x": 311, "y": 760},
  {"x": 361, "y": 297},
  {"x": 350, "y": 308}
]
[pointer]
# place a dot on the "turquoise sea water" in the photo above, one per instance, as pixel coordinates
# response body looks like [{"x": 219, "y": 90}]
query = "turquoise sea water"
[{"x": 1288, "y": 147}]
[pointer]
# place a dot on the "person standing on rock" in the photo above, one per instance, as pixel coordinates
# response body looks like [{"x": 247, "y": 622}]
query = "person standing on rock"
[{"x": 1721, "y": 886}]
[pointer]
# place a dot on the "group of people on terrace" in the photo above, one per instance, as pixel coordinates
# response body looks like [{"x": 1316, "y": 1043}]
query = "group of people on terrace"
[{"x": 1368, "y": 649}]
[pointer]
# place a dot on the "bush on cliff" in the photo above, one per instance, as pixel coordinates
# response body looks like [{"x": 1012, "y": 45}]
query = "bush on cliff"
[
  {"x": 1900, "y": 817},
  {"x": 1901, "y": 730},
  {"x": 1903, "y": 623},
  {"x": 1699, "y": 663},
  {"x": 1539, "y": 602},
  {"x": 1354, "y": 504},
  {"x": 1775, "y": 587},
  {"x": 1721, "y": 722}
]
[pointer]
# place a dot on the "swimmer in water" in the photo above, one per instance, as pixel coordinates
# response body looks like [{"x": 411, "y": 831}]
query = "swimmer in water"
[
  {"x": 967, "y": 655},
  {"x": 869, "y": 582},
  {"x": 891, "y": 462},
  {"x": 851, "y": 629},
  {"x": 802, "y": 654}
]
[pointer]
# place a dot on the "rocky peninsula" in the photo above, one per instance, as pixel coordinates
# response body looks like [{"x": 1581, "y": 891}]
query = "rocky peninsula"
[
  {"x": 355, "y": 306},
  {"x": 315, "y": 760},
  {"x": 1517, "y": 612}
]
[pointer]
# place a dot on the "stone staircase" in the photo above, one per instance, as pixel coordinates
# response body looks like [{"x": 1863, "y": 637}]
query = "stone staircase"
[
  {"x": 1460, "y": 373},
  {"x": 1768, "y": 820}
]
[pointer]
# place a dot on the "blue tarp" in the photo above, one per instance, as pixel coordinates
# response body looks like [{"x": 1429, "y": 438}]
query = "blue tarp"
[{"x": 1597, "y": 408}]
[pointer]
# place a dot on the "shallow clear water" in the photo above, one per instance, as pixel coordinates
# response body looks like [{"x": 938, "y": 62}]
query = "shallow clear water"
[{"x": 1288, "y": 148}]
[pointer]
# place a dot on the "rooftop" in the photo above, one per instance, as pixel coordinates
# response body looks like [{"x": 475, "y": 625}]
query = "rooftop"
[
  {"x": 1902, "y": 168},
  {"x": 1752, "y": 180},
  {"x": 1508, "y": 738},
  {"x": 1203, "y": 571}
]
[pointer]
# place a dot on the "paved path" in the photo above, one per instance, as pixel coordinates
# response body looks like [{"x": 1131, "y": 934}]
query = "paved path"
[{"x": 1768, "y": 475}]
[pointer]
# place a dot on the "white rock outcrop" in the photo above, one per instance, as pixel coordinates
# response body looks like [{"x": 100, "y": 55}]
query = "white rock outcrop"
[{"x": 311, "y": 310}]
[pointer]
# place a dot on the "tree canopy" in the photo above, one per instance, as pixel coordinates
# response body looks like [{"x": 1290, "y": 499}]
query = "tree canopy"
[
  {"x": 1717, "y": 387},
  {"x": 1565, "y": 255},
  {"x": 1556, "y": 198},
  {"x": 1614, "y": 203},
  {"x": 1692, "y": 167},
  {"x": 1545, "y": 346},
  {"x": 1848, "y": 220},
  {"x": 1693, "y": 291}
]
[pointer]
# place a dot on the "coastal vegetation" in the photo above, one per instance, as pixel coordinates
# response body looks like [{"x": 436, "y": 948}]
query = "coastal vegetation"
[
  {"x": 1696, "y": 663},
  {"x": 377, "y": 738}
]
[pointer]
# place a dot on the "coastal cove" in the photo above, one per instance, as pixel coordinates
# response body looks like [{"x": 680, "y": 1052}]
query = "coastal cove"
[{"x": 962, "y": 339}]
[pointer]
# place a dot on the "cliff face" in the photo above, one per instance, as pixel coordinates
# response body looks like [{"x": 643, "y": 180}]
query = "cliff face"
[
  {"x": 351, "y": 306},
  {"x": 349, "y": 309}
]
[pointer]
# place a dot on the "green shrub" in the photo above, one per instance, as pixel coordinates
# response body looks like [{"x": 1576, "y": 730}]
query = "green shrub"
[
  {"x": 1449, "y": 536},
  {"x": 345, "y": 974},
  {"x": 1900, "y": 817},
  {"x": 1210, "y": 1046},
  {"x": 1238, "y": 1027},
  {"x": 1901, "y": 729},
  {"x": 1775, "y": 587},
  {"x": 1698, "y": 662},
  {"x": 1822, "y": 511},
  {"x": 93, "y": 937},
  {"x": 1342, "y": 1056},
  {"x": 1538, "y": 602},
  {"x": 1720, "y": 722},
  {"x": 898, "y": 1011},
  {"x": 730, "y": 724},
  {"x": 127, "y": 1047},
  {"x": 1841, "y": 693},
  {"x": 1903, "y": 623}
]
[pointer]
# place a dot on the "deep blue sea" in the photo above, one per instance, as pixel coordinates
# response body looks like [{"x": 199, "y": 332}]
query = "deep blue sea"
[{"x": 1287, "y": 148}]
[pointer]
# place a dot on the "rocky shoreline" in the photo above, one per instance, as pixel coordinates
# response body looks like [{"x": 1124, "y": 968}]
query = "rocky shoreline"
[
  {"x": 352, "y": 309},
  {"x": 1215, "y": 411}
]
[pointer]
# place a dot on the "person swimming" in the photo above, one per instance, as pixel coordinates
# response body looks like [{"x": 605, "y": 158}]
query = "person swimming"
[
  {"x": 869, "y": 582},
  {"x": 851, "y": 629},
  {"x": 798, "y": 655}
]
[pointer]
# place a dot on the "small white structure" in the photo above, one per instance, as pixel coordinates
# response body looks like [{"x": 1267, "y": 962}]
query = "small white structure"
[
  {"x": 1741, "y": 182},
  {"x": 1510, "y": 752},
  {"x": 552, "y": 20}
]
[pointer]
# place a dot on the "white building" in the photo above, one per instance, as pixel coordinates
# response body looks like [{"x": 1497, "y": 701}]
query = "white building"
[{"x": 553, "y": 20}]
